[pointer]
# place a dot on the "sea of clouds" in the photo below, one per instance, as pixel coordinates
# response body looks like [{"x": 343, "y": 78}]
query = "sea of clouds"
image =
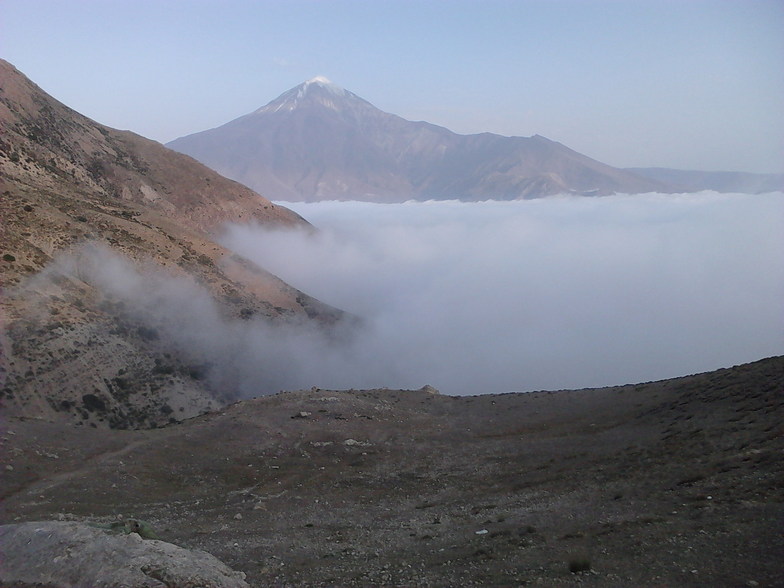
[
  {"x": 487, "y": 297},
  {"x": 563, "y": 292}
]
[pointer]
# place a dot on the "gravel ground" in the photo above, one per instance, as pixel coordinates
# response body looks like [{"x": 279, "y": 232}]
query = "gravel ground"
[{"x": 672, "y": 483}]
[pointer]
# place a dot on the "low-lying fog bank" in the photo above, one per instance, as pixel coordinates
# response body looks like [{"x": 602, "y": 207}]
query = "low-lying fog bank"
[{"x": 555, "y": 293}]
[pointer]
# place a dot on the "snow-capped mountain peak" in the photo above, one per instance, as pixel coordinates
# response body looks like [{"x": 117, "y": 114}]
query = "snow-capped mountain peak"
[
  {"x": 325, "y": 83},
  {"x": 319, "y": 89},
  {"x": 318, "y": 141}
]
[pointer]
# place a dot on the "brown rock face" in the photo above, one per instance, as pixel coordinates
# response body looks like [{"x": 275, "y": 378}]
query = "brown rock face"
[{"x": 78, "y": 197}]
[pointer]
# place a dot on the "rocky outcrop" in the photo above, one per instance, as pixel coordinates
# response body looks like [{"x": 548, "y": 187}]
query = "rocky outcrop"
[{"x": 68, "y": 554}]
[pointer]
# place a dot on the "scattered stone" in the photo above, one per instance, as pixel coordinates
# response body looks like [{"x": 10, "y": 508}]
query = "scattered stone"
[
  {"x": 141, "y": 528},
  {"x": 355, "y": 443}
]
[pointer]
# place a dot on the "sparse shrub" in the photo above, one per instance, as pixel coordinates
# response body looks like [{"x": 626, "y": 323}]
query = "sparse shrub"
[
  {"x": 8, "y": 257},
  {"x": 579, "y": 564},
  {"x": 122, "y": 383},
  {"x": 162, "y": 368},
  {"x": 93, "y": 403},
  {"x": 198, "y": 372},
  {"x": 147, "y": 333}
]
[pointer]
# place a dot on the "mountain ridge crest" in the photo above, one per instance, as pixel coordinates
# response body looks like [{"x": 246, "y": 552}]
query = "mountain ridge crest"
[{"x": 318, "y": 141}]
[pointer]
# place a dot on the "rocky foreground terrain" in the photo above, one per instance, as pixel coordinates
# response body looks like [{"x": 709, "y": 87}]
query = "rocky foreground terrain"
[{"x": 671, "y": 483}]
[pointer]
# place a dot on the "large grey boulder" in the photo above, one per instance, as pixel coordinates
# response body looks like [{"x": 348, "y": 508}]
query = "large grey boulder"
[{"x": 67, "y": 554}]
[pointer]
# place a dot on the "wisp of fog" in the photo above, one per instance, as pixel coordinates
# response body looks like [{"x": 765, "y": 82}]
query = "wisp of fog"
[{"x": 563, "y": 292}]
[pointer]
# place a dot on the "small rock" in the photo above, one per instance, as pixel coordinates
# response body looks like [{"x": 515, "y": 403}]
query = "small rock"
[
  {"x": 481, "y": 532},
  {"x": 238, "y": 517},
  {"x": 355, "y": 443},
  {"x": 303, "y": 414},
  {"x": 9, "y": 468}
]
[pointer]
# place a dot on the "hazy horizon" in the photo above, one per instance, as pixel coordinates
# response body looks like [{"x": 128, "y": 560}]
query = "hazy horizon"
[{"x": 685, "y": 85}]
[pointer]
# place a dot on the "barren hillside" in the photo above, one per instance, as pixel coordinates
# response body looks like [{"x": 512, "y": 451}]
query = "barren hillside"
[{"x": 76, "y": 196}]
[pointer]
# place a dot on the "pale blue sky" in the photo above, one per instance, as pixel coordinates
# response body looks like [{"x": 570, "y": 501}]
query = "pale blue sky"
[{"x": 689, "y": 84}]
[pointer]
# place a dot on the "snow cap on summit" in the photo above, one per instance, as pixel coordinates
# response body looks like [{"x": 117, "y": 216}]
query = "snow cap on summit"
[
  {"x": 312, "y": 89},
  {"x": 326, "y": 84},
  {"x": 319, "y": 80}
]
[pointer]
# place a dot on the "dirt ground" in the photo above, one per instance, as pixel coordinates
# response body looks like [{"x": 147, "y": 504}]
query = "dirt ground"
[{"x": 672, "y": 483}]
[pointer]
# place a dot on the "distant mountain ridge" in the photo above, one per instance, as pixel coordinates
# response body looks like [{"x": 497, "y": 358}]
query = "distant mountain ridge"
[
  {"x": 318, "y": 141},
  {"x": 719, "y": 181}
]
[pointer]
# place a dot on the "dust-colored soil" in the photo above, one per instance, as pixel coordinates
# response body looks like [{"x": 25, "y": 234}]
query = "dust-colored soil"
[{"x": 673, "y": 483}]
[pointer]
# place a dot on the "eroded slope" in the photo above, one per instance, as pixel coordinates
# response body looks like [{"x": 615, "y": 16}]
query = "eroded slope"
[{"x": 80, "y": 199}]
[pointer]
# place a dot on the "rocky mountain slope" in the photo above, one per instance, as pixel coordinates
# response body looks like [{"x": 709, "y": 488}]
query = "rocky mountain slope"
[
  {"x": 86, "y": 208},
  {"x": 318, "y": 141},
  {"x": 671, "y": 483}
]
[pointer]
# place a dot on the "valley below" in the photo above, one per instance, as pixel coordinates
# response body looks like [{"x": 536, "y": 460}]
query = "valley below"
[{"x": 670, "y": 483}]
